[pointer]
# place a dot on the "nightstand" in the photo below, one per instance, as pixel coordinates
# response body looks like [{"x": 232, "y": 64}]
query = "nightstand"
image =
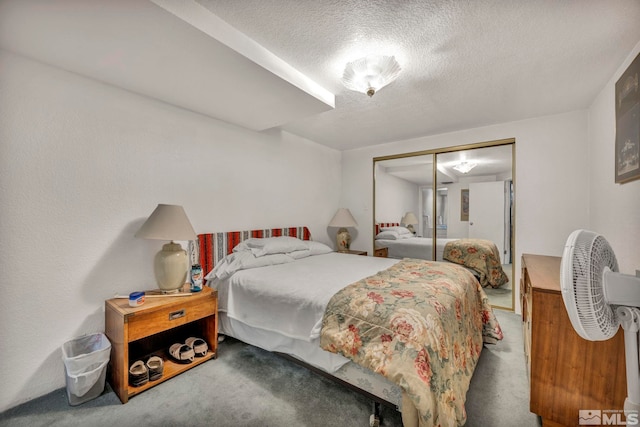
[
  {"x": 139, "y": 332},
  {"x": 364, "y": 253},
  {"x": 382, "y": 252}
]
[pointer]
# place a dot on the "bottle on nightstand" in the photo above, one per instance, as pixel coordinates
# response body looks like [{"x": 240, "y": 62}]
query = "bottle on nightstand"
[{"x": 196, "y": 278}]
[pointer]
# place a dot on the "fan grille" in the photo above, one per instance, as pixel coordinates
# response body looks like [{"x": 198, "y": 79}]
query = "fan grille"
[{"x": 591, "y": 254}]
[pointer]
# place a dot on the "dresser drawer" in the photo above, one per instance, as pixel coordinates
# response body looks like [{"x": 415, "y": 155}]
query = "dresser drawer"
[{"x": 145, "y": 324}]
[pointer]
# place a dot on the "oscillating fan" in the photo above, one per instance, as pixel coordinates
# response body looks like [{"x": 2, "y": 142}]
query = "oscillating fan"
[{"x": 598, "y": 300}]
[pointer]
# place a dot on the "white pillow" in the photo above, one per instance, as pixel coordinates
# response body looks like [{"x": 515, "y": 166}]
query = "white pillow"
[
  {"x": 314, "y": 248},
  {"x": 271, "y": 245},
  {"x": 318, "y": 248},
  {"x": 388, "y": 235},
  {"x": 300, "y": 254},
  {"x": 244, "y": 260},
  {"x": 399, "y": 230}
]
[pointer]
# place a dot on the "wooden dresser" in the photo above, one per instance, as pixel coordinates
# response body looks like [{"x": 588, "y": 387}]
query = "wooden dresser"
[{"x": 566, "y": 373}]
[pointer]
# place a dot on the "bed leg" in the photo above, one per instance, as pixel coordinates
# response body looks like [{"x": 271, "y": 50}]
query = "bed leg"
[{"x": 374, "y": 419}]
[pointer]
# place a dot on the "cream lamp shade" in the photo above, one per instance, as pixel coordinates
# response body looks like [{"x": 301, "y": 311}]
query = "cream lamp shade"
[
  {"x": 343, "y": 219},
  {"x": 171, "y": 264},
  {"x": 409, "y": 219}
]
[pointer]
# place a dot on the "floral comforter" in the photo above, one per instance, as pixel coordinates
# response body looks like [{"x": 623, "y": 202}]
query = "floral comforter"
[
  {"x": 481, "y": 256},
  {"x": 421, "y": 325}
]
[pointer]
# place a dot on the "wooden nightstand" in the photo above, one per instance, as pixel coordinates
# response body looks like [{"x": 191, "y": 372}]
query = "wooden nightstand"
[
  {"x": 382, "y": 252},
  {"x": 353, "y": 252},
  {"x": 140, "y": 332}
]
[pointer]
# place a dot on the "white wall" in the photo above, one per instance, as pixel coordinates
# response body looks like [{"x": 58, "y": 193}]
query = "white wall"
[
  {"x": 551, "y": 179},
  {"x": 614, "y": 209},
  {"x": 394, "y": 197},
  {"x": 82, "y": 164}
]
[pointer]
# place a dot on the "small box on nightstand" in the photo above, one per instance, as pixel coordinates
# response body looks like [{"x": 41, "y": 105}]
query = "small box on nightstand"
[{"x": 381, "y": 251}]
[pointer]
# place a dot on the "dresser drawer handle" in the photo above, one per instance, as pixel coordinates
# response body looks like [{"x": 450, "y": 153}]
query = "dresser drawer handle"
[{"x": 177, "y": 314}]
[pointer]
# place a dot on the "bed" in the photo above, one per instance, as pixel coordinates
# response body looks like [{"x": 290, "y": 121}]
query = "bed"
[
  {"x": 407, "y": 245},
  {"x": 481, "y": 256},
  {"x": 293, "y": 297}
]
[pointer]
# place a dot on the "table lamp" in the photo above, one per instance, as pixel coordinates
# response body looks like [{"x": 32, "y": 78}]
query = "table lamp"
[
  {"x": 171, "y": 264},
  {"x": 409, "y": 219},
  {"x": 343, "y": 219}
]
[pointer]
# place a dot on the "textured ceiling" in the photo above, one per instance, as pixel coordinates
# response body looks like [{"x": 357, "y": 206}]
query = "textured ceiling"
[
  {"x": 265, "y": 64},
  {"x": 171, "y": 50},
  {"x": 465, "y": 63}
]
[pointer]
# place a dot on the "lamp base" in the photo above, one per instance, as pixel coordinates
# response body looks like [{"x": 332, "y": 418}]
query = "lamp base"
[
  {"x": 343, "y": 240},
  {"x": 170, "y": 266}
]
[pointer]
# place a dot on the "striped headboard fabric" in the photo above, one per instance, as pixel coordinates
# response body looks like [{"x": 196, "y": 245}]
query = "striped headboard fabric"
[
  {"x": 210, "y": 248},
  {"x": 380, "y": 225}
]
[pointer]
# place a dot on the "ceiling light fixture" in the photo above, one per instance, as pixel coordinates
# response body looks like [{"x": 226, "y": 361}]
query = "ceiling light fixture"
[
  {"x": 370, "y": 74},
  {"x": 465, "y": 167}
]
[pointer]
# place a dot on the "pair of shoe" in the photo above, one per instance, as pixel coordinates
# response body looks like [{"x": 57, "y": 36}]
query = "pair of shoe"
[
  {"x": 140, "y": 373},
  {"x": 192, "y": 348}
]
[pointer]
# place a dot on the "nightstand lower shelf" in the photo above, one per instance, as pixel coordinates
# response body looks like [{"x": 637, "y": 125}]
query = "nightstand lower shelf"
[{"x": 171, "y": 369}]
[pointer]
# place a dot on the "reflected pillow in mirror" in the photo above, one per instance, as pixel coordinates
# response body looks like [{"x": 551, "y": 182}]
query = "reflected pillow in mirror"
[
  {"x": 387, "y": 235},
  {"x": 398, "y": 229}
]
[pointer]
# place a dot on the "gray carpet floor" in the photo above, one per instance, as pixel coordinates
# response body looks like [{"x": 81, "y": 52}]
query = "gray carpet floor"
[{"x": 247, "y": 386}]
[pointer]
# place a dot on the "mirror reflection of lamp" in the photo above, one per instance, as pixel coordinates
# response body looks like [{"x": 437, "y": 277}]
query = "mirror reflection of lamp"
[
  {"x": 409, "y": 220},
  {"x": 343, "y": 219}
]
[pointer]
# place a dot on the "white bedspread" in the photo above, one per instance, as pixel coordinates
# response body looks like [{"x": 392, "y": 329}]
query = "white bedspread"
[
  {"x": 291, "y": 298},
  {"x": 413, "y": 247}
]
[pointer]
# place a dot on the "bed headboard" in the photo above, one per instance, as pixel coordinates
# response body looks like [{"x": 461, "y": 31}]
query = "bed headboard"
[
  {"x": 212, "y": 247},
  {"x": 380, "y": 225}
]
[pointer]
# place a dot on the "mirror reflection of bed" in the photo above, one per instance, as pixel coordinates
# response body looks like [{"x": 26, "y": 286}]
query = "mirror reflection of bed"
[{"x": 452, "y": 204}]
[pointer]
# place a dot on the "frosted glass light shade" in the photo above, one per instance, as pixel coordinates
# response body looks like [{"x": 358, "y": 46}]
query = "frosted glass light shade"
[
  {"x": 465, "y": 167},
  {"x": 371, "y": 73}
]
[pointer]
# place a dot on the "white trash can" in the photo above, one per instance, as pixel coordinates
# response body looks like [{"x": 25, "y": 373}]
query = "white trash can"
[{"x": 85, "y": 364}]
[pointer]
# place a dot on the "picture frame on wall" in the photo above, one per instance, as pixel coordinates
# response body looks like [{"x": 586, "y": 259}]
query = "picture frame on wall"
[
  {"x": 464, "y": 205},
  {"x": 627, "y": 154}
]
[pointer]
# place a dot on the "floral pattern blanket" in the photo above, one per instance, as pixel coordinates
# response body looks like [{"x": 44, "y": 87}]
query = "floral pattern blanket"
[
  {"x": 421, "y": 325},
  {"x": 482, "y": 256}
]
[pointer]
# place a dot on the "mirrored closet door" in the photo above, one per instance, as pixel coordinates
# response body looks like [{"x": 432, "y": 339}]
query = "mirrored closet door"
[{"x": 450, "y": 195}]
